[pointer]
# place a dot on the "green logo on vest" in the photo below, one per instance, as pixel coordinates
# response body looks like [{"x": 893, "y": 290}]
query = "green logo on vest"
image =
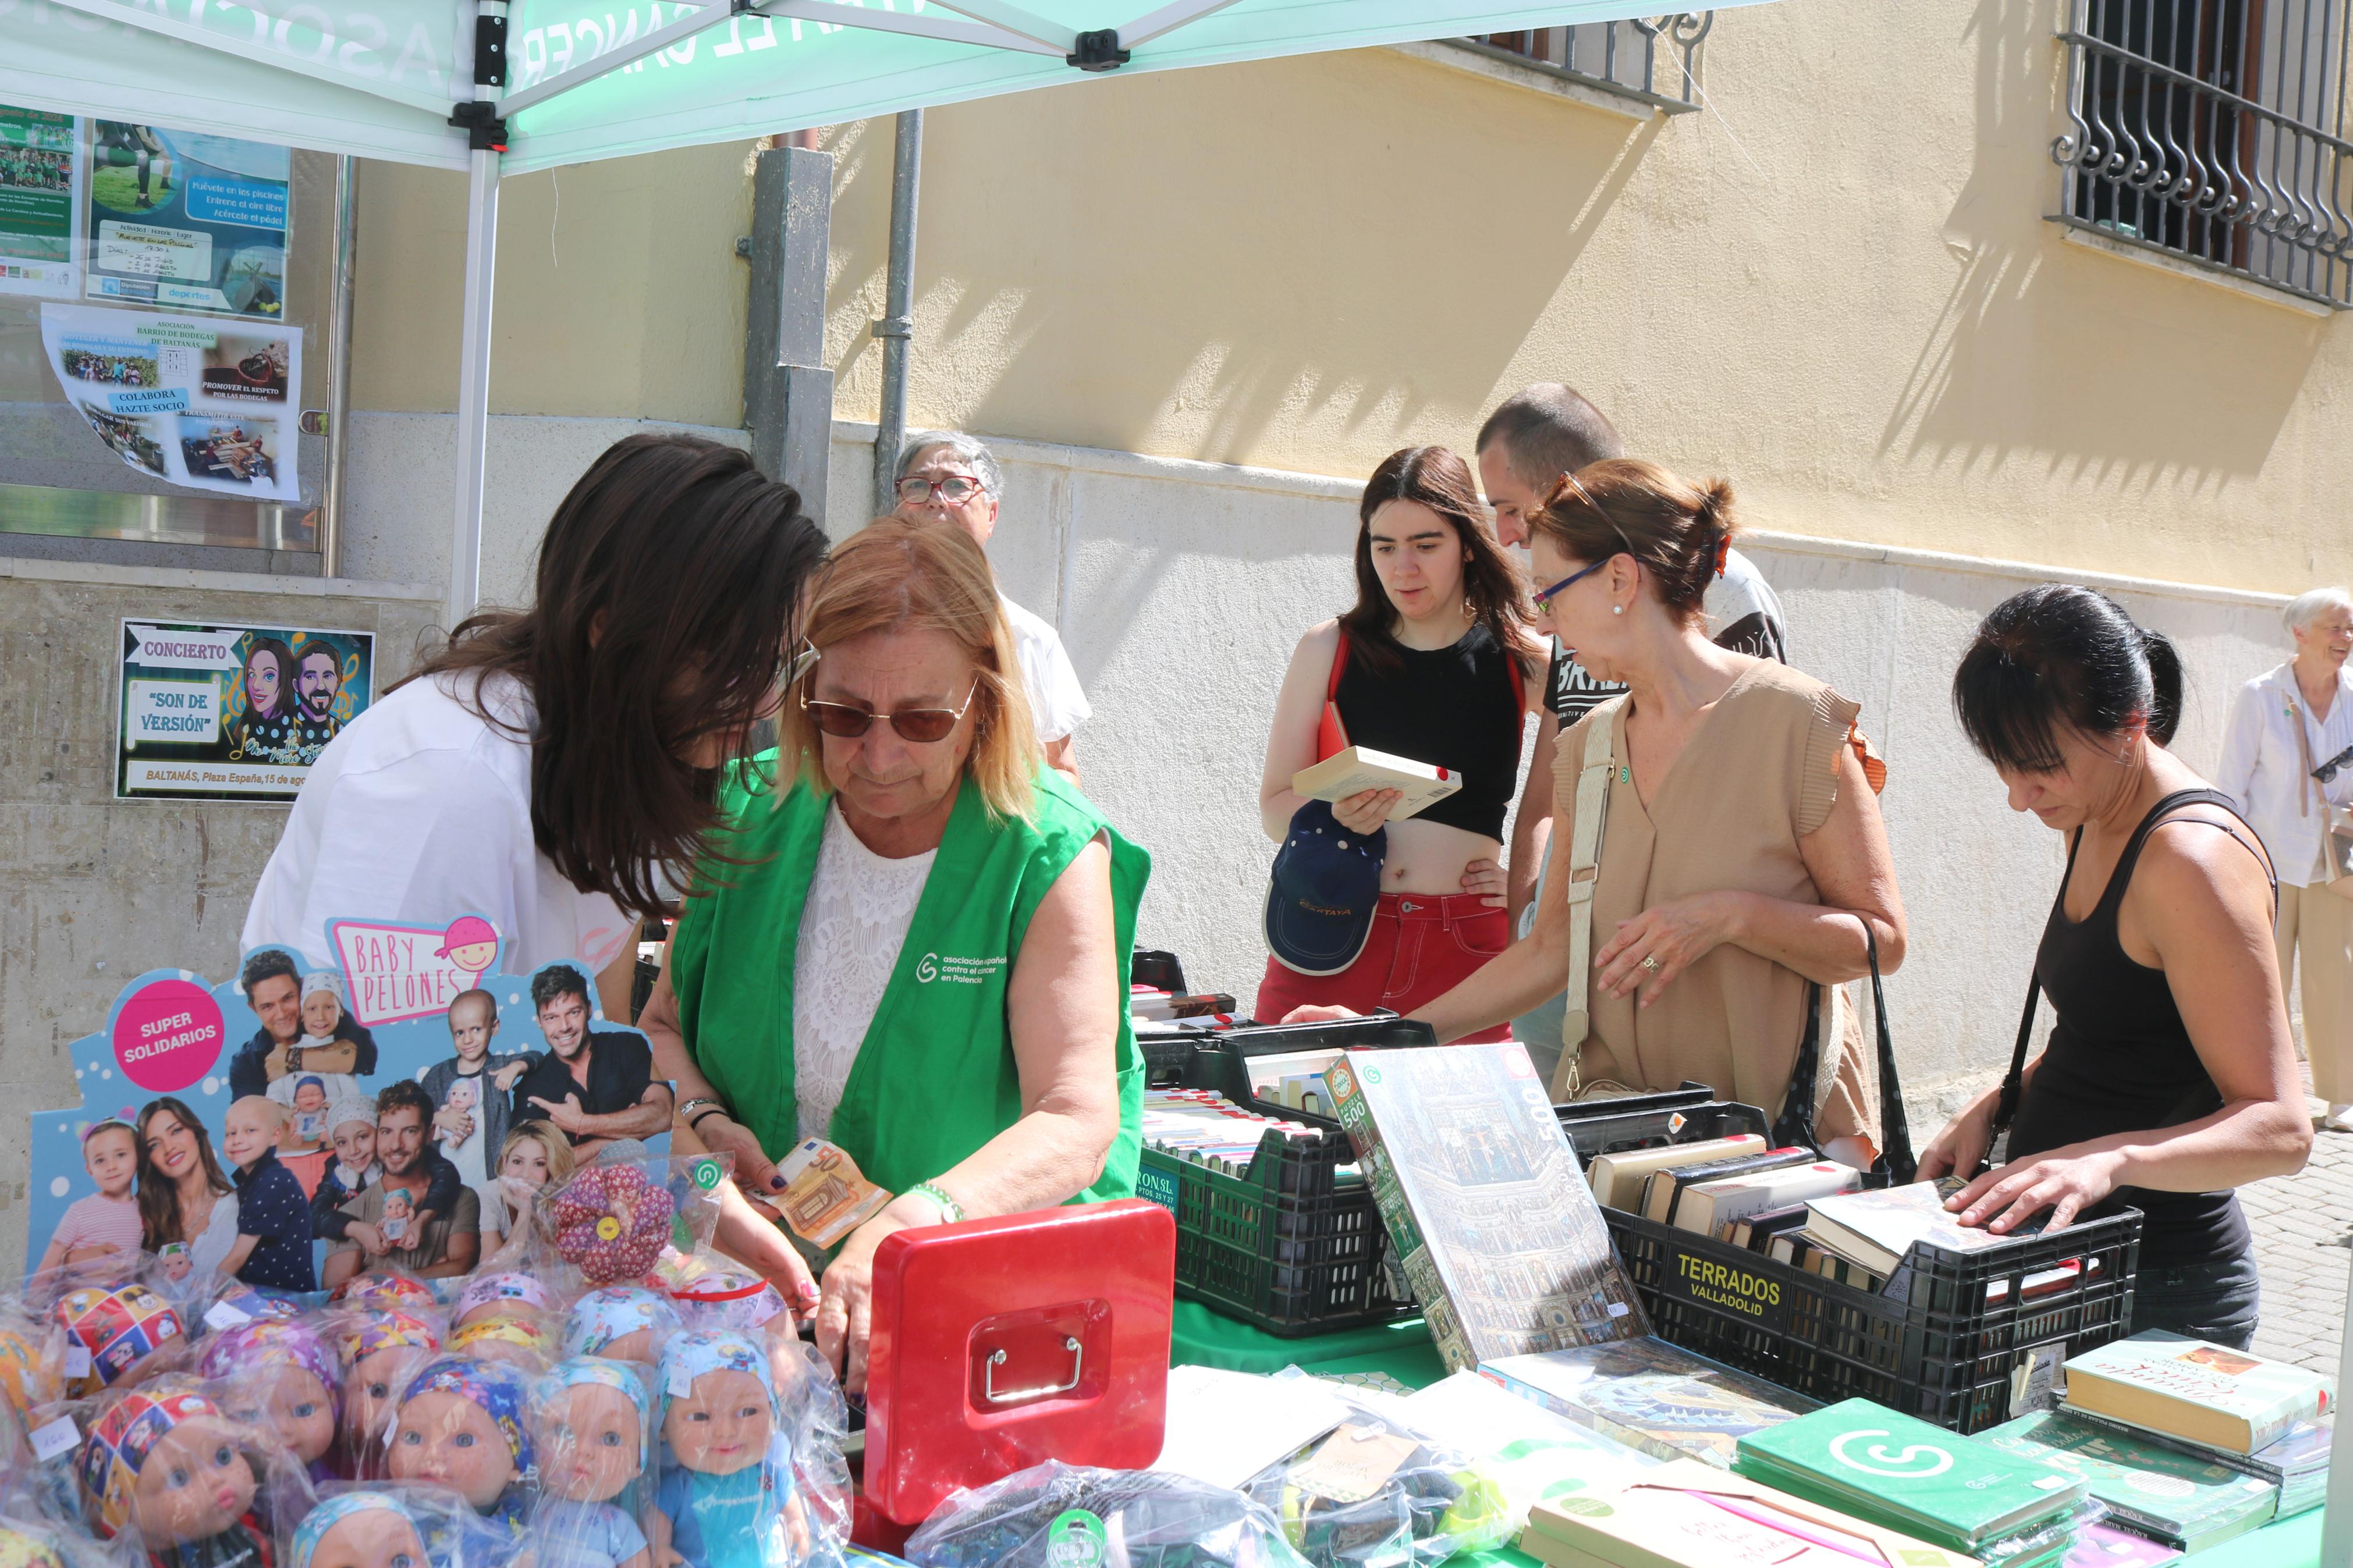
[
  {"x": 1076, "y": 1540},
  {"x": 952, "y": 969}
]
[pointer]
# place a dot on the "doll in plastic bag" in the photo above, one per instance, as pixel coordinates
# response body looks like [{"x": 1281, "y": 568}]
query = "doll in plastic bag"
[
  {"x": 621, "y": 1322},
  {"x": 592, "y": 1421},
  {"x": 27, "y": 1541},
  {"x": 396, "y": 1525},
  {"x": 725, "y": 1498},
  {"x": 462, "y": 1423},
  {"x": 378, "y": 1350},
  {"x": 509, "y": 1293},
  {"x": 279, "y": 1375},
  {"x": 118, "y": 1334},
  {"x": 166, "y": 1466},
  {"x": 1055, "y": 1514},
  {"x": 518, "y": 1340}
]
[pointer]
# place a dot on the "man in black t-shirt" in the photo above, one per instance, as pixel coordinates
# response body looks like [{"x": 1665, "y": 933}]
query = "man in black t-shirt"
[
  {"x": 595, "y": 1085},
  {"x": 1525, "y": 447}
]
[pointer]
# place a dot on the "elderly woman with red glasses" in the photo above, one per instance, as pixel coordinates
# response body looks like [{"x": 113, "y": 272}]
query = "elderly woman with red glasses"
[{"x": 914, "y": 938}]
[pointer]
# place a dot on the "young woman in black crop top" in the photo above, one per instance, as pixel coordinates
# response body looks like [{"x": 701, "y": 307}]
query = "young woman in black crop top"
[
  {"x": 2170, "y": 1078},
  {"x": 1437, "y": 662}
]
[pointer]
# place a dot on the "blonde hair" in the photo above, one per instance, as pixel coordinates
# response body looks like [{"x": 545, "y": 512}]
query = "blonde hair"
[
  {"x": 558, "y": 1147},
  {"x": 895, "y": 574}
]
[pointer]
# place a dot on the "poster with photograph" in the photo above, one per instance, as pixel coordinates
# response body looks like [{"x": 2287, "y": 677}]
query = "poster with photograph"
[
  {"x": 393, "y": 1118},
  {"x": 186, "y": 221},
  {"x": 207, "y": 404},
  {"x": 40, "y": 193},
  {"x": 214, "y": 712}
]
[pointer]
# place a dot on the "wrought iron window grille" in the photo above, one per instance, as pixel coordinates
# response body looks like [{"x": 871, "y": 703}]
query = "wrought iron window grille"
[
  {"x": 1625, "y": 57},
  {"x": 2214, "y": 132}
]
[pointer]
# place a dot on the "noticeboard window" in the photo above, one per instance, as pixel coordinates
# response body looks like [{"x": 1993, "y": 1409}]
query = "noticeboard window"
[{"x": 163, "y": 299}]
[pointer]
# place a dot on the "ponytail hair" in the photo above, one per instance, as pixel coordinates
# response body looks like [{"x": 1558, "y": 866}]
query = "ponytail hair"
[
  {"x": 2063, "y": 657},
  {"x": 1678, "y": 532}
]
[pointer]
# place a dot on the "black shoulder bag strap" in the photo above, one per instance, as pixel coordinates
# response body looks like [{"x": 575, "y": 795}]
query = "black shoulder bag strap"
[
  {"x": 2005, "y": 1110},
  {"x": 1896, "y": 1164}
]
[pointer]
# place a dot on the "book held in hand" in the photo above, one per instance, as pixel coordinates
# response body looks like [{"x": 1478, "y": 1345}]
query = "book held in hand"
[
  {"x": 2208, "y": 1394},
  {"x": 1353, "y": 770},
  {"x": 2186, "y": 1502},
  {"x": 1494, "y": 1224}
]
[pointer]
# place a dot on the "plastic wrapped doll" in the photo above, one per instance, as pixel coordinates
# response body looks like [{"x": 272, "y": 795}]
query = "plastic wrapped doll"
[
  {"x": 125, "y": 1332},
  {"x": 591, "y": 1420},
  {"x": 725, "y": 1498},
  {"x": 508, "y": 1294},
  {"x": 378, "y": 1350},
  {"x": 462, "y": 1424},
  {"x": 518, "y": 1340},
  {"x": 387, "y": 1288},
  {"x": 720, "y": 1296},
  {"x": 358, "y": 1530},
  {"x": 168, "y": 1464},
  {"x": 281, "y": 1376},
  {"x": 30, "y": 1369},
  {"x": 621, "y": 1322}
]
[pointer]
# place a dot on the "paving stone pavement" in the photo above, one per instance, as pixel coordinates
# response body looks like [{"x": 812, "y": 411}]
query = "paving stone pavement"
[{"x": 2302, "y": 1225}]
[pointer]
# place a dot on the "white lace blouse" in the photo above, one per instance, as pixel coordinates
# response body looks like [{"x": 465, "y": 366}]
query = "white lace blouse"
[{"x": 853, "y": 927}]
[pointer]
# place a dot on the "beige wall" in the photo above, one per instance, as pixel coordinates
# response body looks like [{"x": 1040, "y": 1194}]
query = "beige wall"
[{"x": 1837, "y": 287}]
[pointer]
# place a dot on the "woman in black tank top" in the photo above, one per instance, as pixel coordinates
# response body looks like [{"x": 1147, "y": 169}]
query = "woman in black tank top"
[{"x": 2170, "y": 1078}]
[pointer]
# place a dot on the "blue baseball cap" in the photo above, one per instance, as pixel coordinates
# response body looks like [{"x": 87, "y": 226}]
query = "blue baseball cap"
[{"x": 1325, "y": 887}]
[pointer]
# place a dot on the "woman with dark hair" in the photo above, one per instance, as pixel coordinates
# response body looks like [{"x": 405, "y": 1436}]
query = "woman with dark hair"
[
  {"x": 2170, "y": 1077},
  {"x": 268, "y": 722},
  {"x": 1437, "y": 662},
  {"x": 1739, "y": 862},
  {"x": 185, "y": 1198},
  {"x": 556, "y": 769}
]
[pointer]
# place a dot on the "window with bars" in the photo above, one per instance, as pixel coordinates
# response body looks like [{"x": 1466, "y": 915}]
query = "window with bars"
[
  {"x": 2214, "y": 131},
  {"x": 1654, "y": 60}
]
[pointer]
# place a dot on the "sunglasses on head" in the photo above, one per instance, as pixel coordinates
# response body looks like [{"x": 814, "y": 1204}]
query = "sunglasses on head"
[
  {"x": 1560, "y": 489},
  {"x": 921, "y": 725}
]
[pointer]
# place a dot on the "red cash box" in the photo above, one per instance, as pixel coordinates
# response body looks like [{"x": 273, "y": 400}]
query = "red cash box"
[{"x": 1000, "y": 1343}]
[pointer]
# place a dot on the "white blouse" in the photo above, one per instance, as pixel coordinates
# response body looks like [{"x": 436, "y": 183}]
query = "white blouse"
[
  {"x": 853, "y": 927},
  {"x": 2263, "y": 768}
]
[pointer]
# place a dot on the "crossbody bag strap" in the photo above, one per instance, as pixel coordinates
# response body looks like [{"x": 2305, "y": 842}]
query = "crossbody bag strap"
[
  {"x": 2304, "y": 748},
  {"x": 2014, "y": 1082},
  {"x": 1895, "y": 1129},
  {"x": 1582, "y": 872}
]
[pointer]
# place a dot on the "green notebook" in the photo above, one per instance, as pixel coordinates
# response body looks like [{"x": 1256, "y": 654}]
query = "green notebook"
[
  {"x": 2185, "y": 1501},
  {"x": 1869, "y": 1461}
]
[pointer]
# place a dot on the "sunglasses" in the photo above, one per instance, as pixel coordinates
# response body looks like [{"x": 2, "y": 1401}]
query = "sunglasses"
[
  {"x": 956, "y": 490},
  {"x": 921, "y": 725},
  {"x": 1544, "y": 597},
  {"x": 2327, "y": 771}
]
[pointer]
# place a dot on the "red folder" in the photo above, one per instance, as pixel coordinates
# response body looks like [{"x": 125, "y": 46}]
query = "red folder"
[{"x": 1000, "y": 1343}]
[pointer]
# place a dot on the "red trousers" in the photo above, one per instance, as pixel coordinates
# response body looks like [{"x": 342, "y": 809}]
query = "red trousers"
[{"x": 1423, "y": 946}]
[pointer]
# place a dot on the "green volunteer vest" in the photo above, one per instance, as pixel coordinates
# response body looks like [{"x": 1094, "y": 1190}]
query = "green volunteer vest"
[{"x": 935, "y": 1079}]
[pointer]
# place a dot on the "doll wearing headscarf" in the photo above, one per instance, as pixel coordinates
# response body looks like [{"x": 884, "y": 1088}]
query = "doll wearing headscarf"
[
  {"x": 621, "y": 1322},
  {"x": 290, "y": 1378},
  {"x": 378, "y": 1349},
  {"x": 461, "y": 1424},
  {"x": 166, "y": 1464},
  {"x": 358, "y": 1530},
  {"x": 725, "y": 1496},
  {"x": 590, "y": 1419}
]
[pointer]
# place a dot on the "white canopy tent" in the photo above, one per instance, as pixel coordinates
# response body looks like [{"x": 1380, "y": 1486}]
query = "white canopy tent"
[{"x": 462, "y": 84}]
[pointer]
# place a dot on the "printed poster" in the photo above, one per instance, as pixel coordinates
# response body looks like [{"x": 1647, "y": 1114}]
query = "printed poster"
[
  {"x": 186, "y": 221},
  {"x": 230, "y": 713},
  {"x": 206, "y": 403},
  {"x": 40, "y": 187},
  {"x": 179, "y": 1062}
]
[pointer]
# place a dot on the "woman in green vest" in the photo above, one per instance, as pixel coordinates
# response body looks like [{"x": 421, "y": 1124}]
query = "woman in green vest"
[{"x": 913, "y": 941}]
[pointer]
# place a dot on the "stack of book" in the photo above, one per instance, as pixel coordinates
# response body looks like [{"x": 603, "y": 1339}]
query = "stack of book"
[
  {"x": 1686, "y": 1515},
  {"x": 1860, "y": 1238},
  {"x": 2263, "y": 1419},
  {"x": 1204, "y": 1128},
  {"x": 1652, "y": 1396},
  {"x": 1957, "y": 1492},
  {"x": 2161, "y": 1491}
]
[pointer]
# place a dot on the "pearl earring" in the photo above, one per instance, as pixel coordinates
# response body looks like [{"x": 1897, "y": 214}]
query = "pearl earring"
[{"x": 1617, "y": 609}]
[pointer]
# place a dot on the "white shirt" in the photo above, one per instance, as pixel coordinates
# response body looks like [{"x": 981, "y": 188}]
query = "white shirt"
[
  {"x": 1739, "y": 593},
  {"x": 420, "y": 812},
  {"x": 860, "y": 907},
  {"x": 2263, "y": 768},
  {"x": 1057, "y": 701}
]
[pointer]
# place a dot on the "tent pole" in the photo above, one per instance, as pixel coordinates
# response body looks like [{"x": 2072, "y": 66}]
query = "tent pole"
[
  {"x": 897, "y": 327},
  {"x": 474, "y": 385}
]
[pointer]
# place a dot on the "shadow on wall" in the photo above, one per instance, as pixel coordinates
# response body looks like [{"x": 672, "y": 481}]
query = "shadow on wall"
[
  {"x": 2111, "y": 373},
  {"x": 1241, "y": 328}
]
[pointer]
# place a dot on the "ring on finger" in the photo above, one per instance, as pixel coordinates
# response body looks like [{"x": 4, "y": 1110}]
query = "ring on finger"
[{"x": 1651, "y": 963}]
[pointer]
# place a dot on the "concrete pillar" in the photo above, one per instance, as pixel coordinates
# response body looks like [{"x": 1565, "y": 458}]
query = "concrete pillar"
[{"x": 787, "y": 390}]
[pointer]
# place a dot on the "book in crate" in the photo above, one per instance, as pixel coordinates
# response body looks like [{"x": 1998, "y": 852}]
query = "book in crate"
[{"x": 1490, "y": 1214}]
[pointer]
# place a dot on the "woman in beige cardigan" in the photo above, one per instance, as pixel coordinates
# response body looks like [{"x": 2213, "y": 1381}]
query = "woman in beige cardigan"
[{"x": 1742, "y": 851}]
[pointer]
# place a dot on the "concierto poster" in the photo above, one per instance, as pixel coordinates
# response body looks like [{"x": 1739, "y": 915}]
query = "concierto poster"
[
  {"x": 289, "y": 1059},
  {"x": 233, "y": 712}
]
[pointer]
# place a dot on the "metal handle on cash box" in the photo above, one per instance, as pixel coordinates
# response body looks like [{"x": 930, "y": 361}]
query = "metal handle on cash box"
[{"x": 1015, "y": 1395}]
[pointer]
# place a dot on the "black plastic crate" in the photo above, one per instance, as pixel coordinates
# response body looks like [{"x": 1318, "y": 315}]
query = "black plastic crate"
[
  {"x": 1948, "y": 1343},
  {"x": 1283, "y": 1245},
  {"x": 1691, "y": 1114}
]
